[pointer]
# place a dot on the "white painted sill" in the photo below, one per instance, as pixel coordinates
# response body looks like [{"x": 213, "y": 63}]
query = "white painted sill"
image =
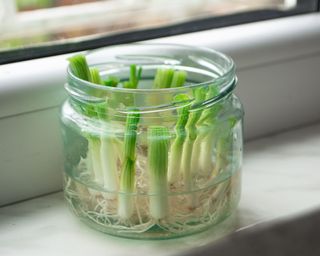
[{"x": 277, "y": 63}]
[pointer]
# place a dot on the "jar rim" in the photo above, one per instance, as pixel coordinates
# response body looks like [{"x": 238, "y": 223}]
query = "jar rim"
[{"x": 227, "y": 77}]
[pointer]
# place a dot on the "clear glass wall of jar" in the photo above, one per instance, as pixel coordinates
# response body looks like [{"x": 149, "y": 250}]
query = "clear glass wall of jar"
[{"x": 153, "y": 163}]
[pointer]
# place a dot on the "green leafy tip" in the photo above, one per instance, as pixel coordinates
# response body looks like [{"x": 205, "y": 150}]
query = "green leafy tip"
[
  {"x": 112, "y": 81},
  {"x": 183, "y": 101},
  {"x": 130, "y": 135},
  {"x": 128, "y": 169},
  {"x": 163, "y": 78},
  {"x": 95, "y": 76},
  {"x": 168, "y": 77},
  {"x": 179, "y": 78},
  {"x": 79, "y": 67},
  {"x": 135, "y": 76}
]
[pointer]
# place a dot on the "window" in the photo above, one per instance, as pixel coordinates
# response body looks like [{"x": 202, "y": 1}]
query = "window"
[
  {"x": 277, "y": 64},
  {"x": 48, "y": 27}
]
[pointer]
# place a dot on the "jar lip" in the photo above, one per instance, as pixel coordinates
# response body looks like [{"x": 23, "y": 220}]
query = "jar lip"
[{"x": 228, "y": 73}]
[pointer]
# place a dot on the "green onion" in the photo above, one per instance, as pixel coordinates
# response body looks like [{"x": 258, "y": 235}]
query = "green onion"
[
  {"x": 158, "y": 146},
  {"x": 127, "y": 178},
  {"x": 95, "y": 76},
  {"x": 166, "y": 78},
  {"x": 79, "y": 67},
  {"x": 191, "y": 128},
  {"x": 94, "y": 153},
  {"x": 108, "y": 156},
  {"x": 177, "y": 145},
  {"x": 135, "y": 76},
  {"x": 163, "y": 78},
  {"x": 111, "y": 81},
  {"x": 101, "y": 149},
  {"x": 132, "y": 83},
  {"x": 178, "y": 79},
  {"x": 108, "y": 151},
  {"x": 202, "y": 152}
]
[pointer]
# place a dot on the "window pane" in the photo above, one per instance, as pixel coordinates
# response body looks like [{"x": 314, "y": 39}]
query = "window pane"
[{"x": 25, "y": 23}]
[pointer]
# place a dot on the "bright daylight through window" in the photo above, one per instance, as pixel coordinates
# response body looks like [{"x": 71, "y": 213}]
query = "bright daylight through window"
[{"x": 25, "y": 23}]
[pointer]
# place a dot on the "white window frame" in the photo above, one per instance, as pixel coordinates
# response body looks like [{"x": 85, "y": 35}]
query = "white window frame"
[{"x": 19, "y": 24}]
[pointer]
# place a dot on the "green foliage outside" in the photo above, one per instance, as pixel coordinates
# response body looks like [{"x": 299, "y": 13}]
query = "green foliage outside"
[{"x": 33, "y": 4}]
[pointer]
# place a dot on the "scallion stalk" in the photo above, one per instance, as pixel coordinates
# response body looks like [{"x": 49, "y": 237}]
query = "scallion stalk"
[
  {"x": 108, "y": 155},
  {"x": 158, "y": 146},
  {"x": 111, "y": 81},
  {"x": 101, "y": 149},
  {"x": 178, "y": 79},
  {"x": 80, "y": 67},
  {"x": 128, "y": 172},
  {"x": 94, "y": 154},
  {"x": 202, "y": 153},
  {"x": 163, "y": 78},
  {"x": 127, "y": 177},
  {"x": 134, "y": 78},
  {"x": 95, "y": 76},
  {"x": 191, "y": 128},
  {"x": 177, "y": 145}
]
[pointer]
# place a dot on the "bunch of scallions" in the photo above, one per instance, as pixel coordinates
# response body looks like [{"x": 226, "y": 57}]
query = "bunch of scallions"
[{"x": 174, "y": 156}]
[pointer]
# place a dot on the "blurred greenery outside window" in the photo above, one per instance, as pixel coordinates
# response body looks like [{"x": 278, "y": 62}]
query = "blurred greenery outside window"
[{"x": 26, "y": 23}]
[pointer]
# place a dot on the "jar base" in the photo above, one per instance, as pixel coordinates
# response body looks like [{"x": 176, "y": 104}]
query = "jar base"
[
  {"x": 155, "y": 232},
  {"x": 84, "y": 202}
]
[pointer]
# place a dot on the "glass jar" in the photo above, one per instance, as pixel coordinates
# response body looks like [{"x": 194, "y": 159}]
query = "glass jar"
[{"x": 151, "y": 163}]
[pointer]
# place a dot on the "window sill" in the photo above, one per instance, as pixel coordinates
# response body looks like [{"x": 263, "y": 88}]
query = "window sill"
[{"x": 291, "y": 156}]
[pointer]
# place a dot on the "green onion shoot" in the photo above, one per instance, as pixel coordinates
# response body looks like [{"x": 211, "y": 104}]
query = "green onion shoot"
[
  {"x": 127, "y": 178},
  {"x": 158, "y": 145}
]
